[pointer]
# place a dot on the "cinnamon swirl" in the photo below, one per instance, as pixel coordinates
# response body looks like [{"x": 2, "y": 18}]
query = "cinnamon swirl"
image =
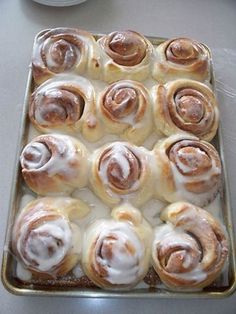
[
  {"x": 186, "y": 106},
  {"x": 125, "y": 55},
  {"x": 121, "y": 171},
  {"x": 61, "y": 50},
  {"x": 125, "y": 109},
  {"x": 188, "y": 169},
  {"x": 181, "y": 58},
  {"x": 54, "y": 163},
  {"x": 45, "y": 238},
  {"x": 65, "y": 104},
  {"x": 190, "y": 249},
  {"x": 116, "y": 252}
]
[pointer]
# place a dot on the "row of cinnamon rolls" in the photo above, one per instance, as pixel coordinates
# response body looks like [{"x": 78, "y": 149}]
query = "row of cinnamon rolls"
[
  {"x": 188, "y": 249},
  {"x": 71, "y": 104},
  {"x": 178, "y": 168},
  {"x": 118, "y": 55}
]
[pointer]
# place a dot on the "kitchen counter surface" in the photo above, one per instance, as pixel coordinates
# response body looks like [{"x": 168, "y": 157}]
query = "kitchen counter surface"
[{"x": 210, "y": 21}]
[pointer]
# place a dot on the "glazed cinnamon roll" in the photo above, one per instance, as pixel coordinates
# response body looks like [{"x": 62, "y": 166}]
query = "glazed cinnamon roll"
[
  {"x": 125, "y": 55},
  {"x": 116, "y": 252},
  {"x": 190, "y": 249},
  {"x": 181, "y": 58},
  {"x": 125, "y": 109},
  {"x": 186, "y": 106},
  {"x": 65, "y": 103},
  {"x": 54, "y": 164},
  {"x": 121, "y": 171},
  {"x": 188, "y": 169},
  {"x": 45, "y": 237},
  {"x": 62, "y": 50}
]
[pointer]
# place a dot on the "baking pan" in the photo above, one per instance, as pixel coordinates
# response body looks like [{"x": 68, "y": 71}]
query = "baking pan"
[{"x": 65, "y": 288}]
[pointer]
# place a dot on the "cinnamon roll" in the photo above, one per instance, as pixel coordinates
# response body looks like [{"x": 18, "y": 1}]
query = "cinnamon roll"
[
  {"x": 125, "y": 55},
  {"x": 190, "y": 249},
  {"x": 116, "y": 252},
  {"x": 121, "y": 171},
  {"x": 186, "y": 106},
  {"x": 54, "y": 164},
  {"x": 62, "y": 50},
  {"x": 181, "y": 58},
  {"x": 65, "y": 103},
  {"x": 45, "y": 237},
  {"x": 125, "y": 109},
  {"x": 188, "y": 169}
]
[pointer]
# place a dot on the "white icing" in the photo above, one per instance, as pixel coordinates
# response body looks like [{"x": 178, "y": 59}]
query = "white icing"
[
  {"x": 175, "y": 237},
  {"x": 47, "y": 44},
  {"x": 40, "y": 153},
  {"x": 162, "y": 231},
  {"x": 76, "y": 240},
  {"x": 196, "y": 274},
  {"x": 151, "y": 211},
  {"x": 123, "y": 267},
  {"x": 22, "y": 273},
  {"x": 78, "y": 271},
  {"x": 98, "y": 209},
  {"x": 59, "y": 162},
  {"x": 68, "y": 80},
  {"x": 69, "y": 54},
  {"x": 187, "y": 260},
  {"x": 118, "y": 152},
  {"x": 180, "y": 180},
  {"x": 129, "y": 119},
  {"x": 55, "y": 235},
  {"x": 192, "y": 165}
]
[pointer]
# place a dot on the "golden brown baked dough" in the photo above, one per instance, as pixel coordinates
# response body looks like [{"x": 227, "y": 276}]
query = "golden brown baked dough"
[
  {"x": 65, "y": 103},
  {"x": 125, "y": 109},
  {"x": 181, "y": 58},
  {"x": 45, "y": 238},
  {"x": 190, "y": 249},
  {"x": 186, "y": 106},
  {"x": 122, "y": 171},
  {"x": 54, "y": 163},
  {"x": 125, "y": 55},
  {"x": 116, "y": 252},
  {"x": 61, "y": 50},
  {"x": 188, "y": 169},
  {"x": 181, "y": 167}
]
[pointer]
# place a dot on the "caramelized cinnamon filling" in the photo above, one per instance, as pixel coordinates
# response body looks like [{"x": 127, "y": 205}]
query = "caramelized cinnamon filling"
[
  {"x": 183, "y": 51},
  {"x": 190, "y": 157},
  {"x": 198, "y": 242},
  {"x": 190, "y": 105},
  {"x": 119, "y": 177},
  {"x": 174, "y": 261},
  {"x": 180, "y": 258},
  {"x": 60, "y": 105},
  {"x": 121, "y": 102},
  {"x": 125, "y": 48},
  {"x": 105, "y": 250},
  {"x": 60, "y": 51}
]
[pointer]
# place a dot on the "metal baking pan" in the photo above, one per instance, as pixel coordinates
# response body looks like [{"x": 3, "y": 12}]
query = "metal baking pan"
[{"x": 64, "y": 288}]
